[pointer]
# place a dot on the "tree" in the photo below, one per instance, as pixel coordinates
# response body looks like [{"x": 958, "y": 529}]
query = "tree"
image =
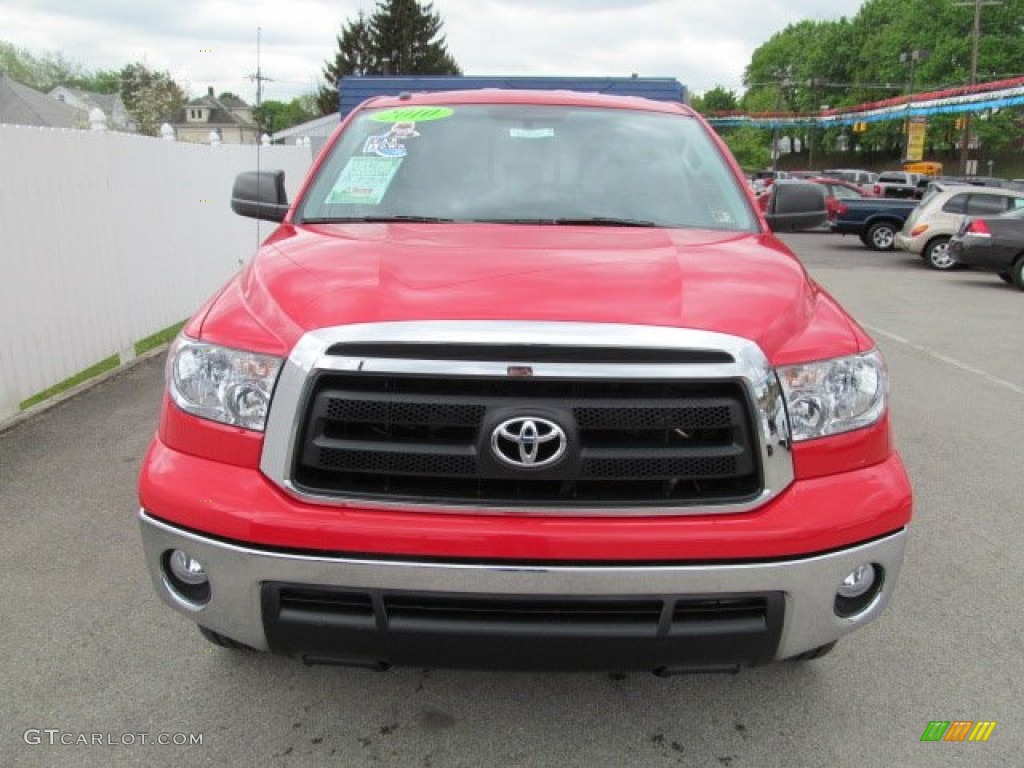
[
  {"x": 749, "y": 146},
  {"x": 402, "y": 37},
  {"x": 852, "y": 61},
  {"x": 407, "y": 36},
  {"x": 100, "y": 81},
  {"x": 43, "y": 73},
  {"x": 355, "y": 56},
  {"x": 273, "y": 116},
  {"x": 859, "y": 58},
  {"x": 47, "y": 71},
  {"x": 718, "y": 99},
  {"x": 151, "y": 97}
]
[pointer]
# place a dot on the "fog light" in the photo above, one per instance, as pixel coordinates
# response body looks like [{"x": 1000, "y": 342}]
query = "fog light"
[
  {"x": 858, "y": 590},
  {"x": 858, "y": 581},
  {"x": 187, "y": 569},
  {"x": 186, "y": 579}
]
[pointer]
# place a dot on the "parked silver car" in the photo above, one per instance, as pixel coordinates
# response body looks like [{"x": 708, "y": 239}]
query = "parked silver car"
[{"x": 928, "y": 229}]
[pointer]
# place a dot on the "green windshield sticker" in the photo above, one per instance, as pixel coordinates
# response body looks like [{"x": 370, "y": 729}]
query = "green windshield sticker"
[
  {"x": 364, "y": 180},
  {"x": 531, "y": 133},
  {"x": 412, "y": 114}
]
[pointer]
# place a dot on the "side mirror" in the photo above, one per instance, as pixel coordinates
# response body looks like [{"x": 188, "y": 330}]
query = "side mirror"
[
  {"x": 795, "y": 205},
  {"x": 260, "y": 195}
]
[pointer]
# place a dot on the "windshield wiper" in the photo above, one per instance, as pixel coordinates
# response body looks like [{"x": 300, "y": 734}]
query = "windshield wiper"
[
  {"x": 375, "y": 219},
  {"x": 604, "y": 221},
  {"x": 595, "y": 221}
]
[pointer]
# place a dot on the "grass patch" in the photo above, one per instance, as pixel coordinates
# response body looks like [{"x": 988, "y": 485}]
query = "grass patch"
[
  {"x": 92, "y": 371},
  {"x": 158, "y": 338}
]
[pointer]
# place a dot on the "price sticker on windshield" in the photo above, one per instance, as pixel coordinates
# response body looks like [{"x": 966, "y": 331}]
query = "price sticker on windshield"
[{"x": 412, "y": 114}]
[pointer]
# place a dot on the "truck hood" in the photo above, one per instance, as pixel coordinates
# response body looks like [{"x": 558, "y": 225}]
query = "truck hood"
[{"x": 743, "y": 284}]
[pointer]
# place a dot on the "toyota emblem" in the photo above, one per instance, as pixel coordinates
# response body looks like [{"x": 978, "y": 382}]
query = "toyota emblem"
[{"x": 528, "y": 442}]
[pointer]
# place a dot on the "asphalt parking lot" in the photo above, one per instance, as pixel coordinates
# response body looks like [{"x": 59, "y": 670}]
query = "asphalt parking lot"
[{"x": 91, "y": 655}]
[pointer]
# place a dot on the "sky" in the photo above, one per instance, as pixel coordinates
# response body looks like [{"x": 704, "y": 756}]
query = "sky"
[{"x": 213, "y": 43}]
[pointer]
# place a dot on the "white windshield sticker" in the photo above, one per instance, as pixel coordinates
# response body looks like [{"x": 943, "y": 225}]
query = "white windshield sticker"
[
  {"x": 391, "y": 144},
  {"x": 531, "y": 133},
  {"x": 364, "y": 180}
]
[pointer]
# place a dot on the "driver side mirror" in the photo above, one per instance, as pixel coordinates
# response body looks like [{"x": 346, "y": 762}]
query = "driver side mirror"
[
  {"x": 260, "y": 195},
  {"x": 795, "y": 206}
]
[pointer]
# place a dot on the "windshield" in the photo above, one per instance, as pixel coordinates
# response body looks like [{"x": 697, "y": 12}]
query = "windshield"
[
  {"x": 931, "y": 191},
  {"x": 518, "y": 163}
]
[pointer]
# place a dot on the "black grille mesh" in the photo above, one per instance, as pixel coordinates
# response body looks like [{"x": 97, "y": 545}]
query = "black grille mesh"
[
  {"x": 410, "y": 464},
  {"x": 427, "y": 439},
  {"x": 403, "y": 413},
  {"x": 708, "y": 417},
  {"x": 660, "y": 468}
]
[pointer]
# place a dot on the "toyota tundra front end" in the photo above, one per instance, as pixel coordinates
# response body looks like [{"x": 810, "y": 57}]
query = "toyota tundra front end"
[{"x": 523, "y": 380}]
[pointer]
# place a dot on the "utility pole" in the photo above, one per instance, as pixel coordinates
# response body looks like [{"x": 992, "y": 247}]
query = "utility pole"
[
  {"x": 966, "y": 139},
  {"x": 258, "y": 78}
]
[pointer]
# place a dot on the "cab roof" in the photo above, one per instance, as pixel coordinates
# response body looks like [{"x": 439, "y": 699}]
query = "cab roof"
[{"x": 518, "y": 96}]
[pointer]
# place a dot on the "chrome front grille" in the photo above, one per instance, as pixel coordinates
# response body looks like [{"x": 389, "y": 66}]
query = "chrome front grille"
[{"x": 656, "y": 420}]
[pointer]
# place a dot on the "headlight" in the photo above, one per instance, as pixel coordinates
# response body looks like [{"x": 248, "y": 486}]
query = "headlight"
[
  {"x": 226, "y": 385},
  {"x": 833, "y": 396}
]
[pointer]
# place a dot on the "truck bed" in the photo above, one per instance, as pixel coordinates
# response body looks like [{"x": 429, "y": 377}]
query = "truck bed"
[{"x": 874, "y": 220}]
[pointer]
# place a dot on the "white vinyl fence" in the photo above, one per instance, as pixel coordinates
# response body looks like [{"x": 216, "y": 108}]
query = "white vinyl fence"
[{"x": 107, "y": 239}]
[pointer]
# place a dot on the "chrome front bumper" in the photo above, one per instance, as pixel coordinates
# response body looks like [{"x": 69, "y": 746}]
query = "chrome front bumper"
[{"x": 237, "y": 575}]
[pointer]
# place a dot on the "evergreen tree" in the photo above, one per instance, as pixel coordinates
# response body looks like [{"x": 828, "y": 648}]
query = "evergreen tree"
[
  {"x": 402, "y": 37},
  {"x": 355, "y": 56},
  {"x": 408, "y": 35}
]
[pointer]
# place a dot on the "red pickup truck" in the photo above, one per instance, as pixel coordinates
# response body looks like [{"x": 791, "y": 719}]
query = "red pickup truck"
[{"x": 524, "y": 380}]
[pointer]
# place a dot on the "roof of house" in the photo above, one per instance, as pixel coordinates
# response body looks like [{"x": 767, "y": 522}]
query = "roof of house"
[
  {"x": 105, "y": 101},
  {"x": 231, "y": 101},
  {"x": 220, "y": 112},
  {"x": 320, "y": 126},
  {"x": 21, "y": 105}
]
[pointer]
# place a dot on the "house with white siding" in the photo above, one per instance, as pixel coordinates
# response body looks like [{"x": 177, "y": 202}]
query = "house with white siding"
[{"x": 230, "y": 117}]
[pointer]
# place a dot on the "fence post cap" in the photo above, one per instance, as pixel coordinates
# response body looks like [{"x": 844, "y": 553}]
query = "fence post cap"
[{"x": 97, "y": 119}]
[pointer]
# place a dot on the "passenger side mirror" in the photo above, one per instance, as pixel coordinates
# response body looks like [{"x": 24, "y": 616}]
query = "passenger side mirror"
[
  {"x": 260, "y": 195},
  {"x": 795, "y": 205}
]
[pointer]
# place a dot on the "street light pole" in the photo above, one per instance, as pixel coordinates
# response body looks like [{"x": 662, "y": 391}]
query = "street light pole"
[
  {"x": 918, "y": 54},
  {"x": 784, "y": 83},
  {"x": 814, "y": 83}
]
